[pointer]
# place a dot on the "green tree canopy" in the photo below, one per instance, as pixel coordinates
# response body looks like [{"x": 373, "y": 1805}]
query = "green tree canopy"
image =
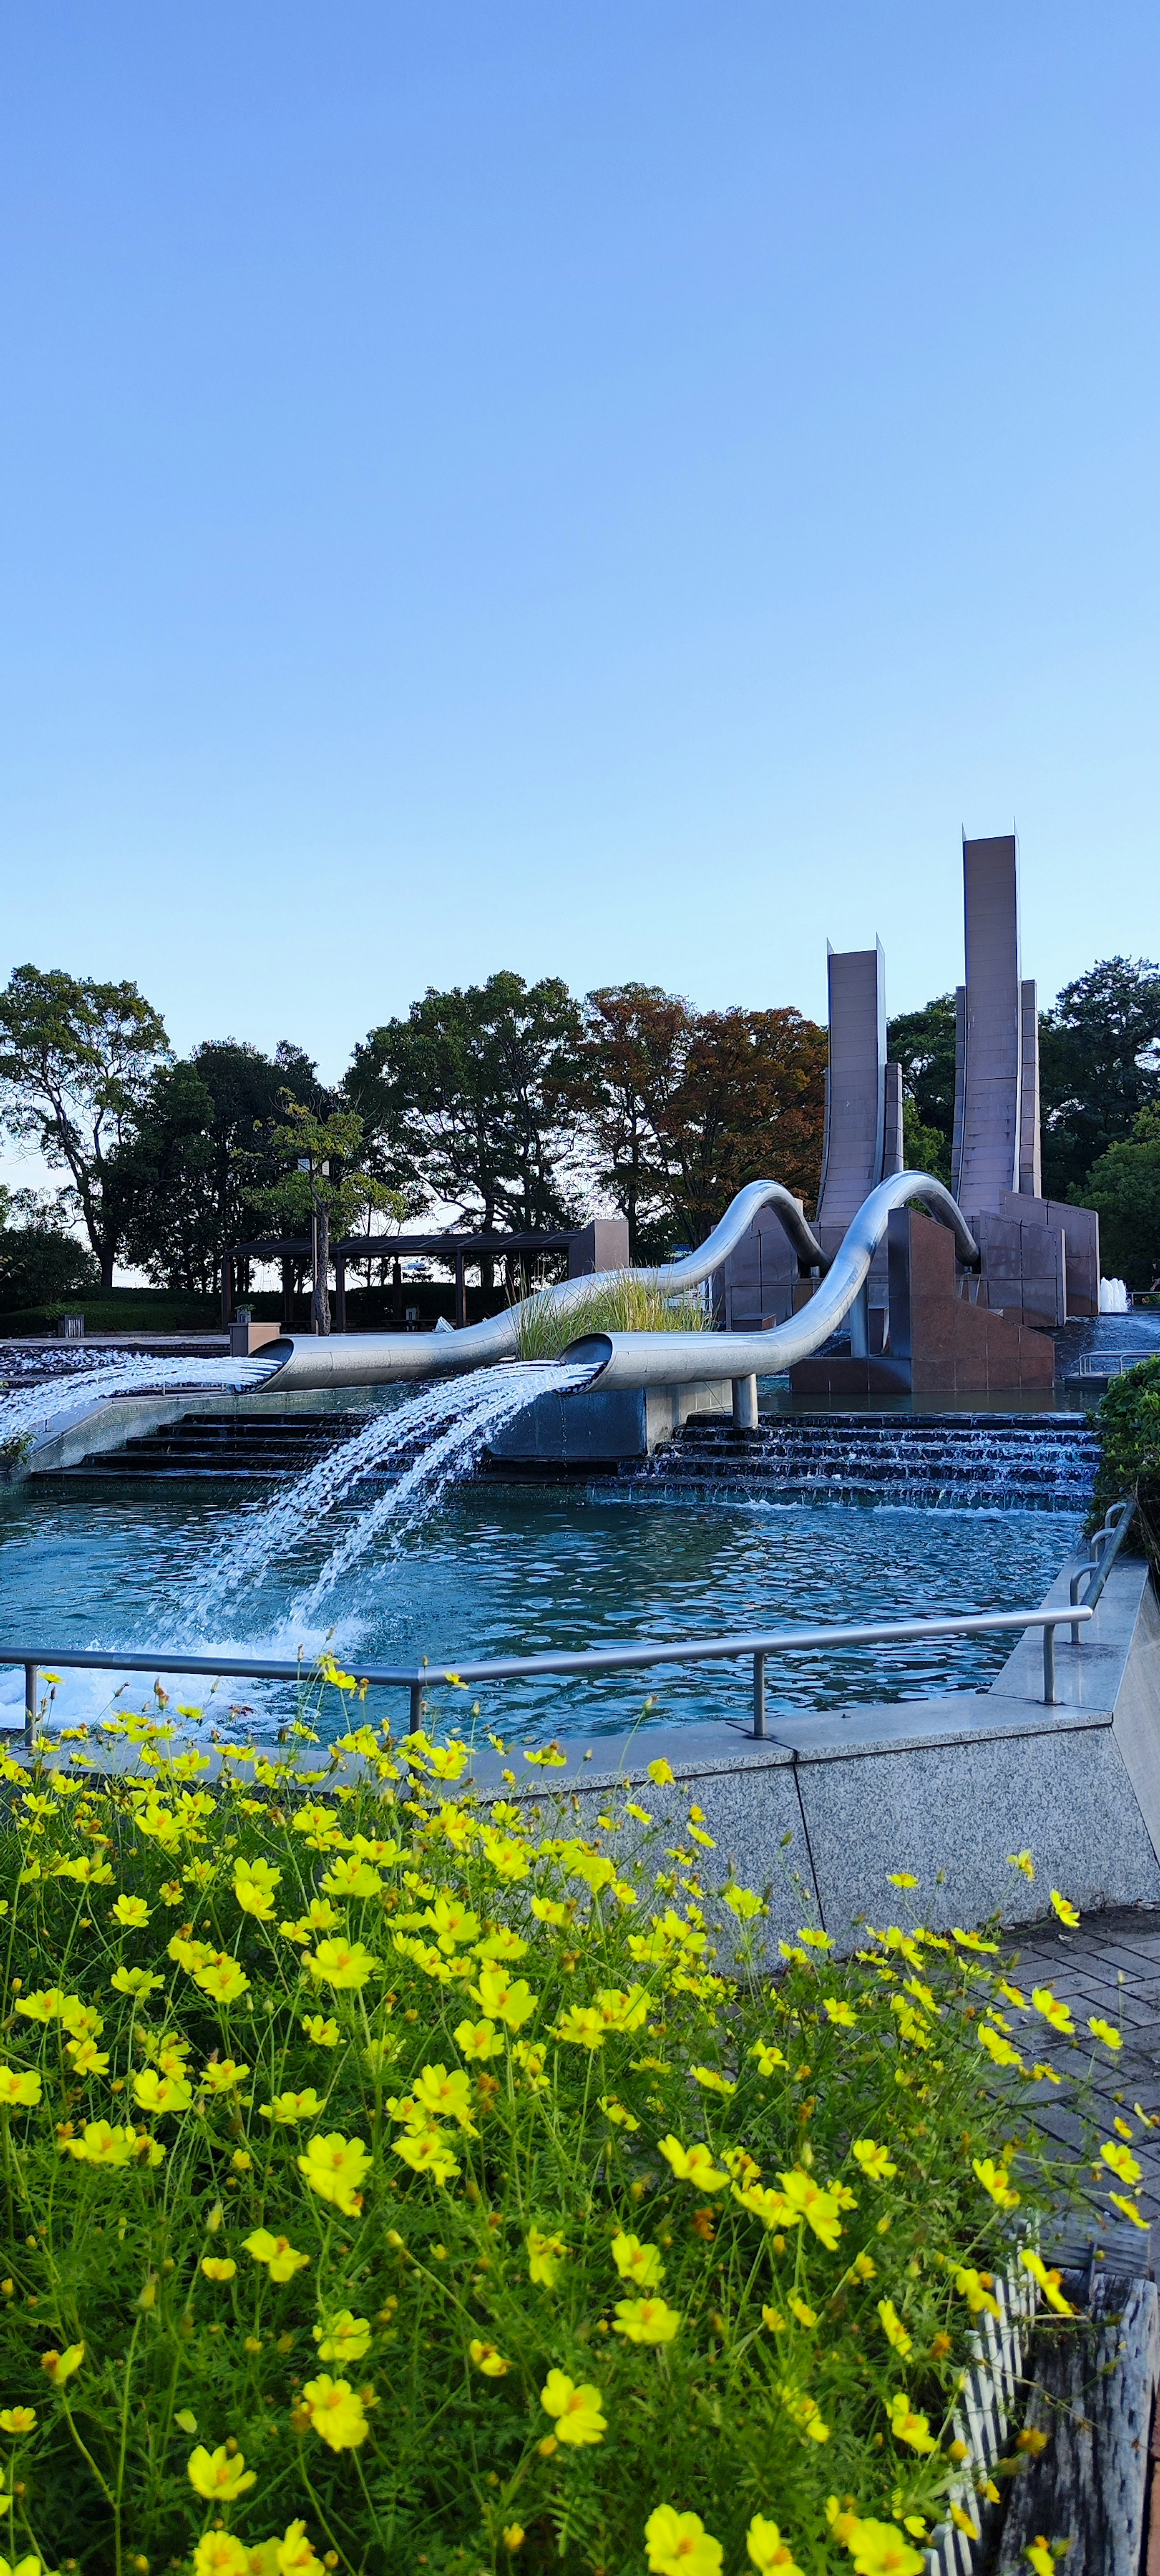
[
  {"x": 321, "y": 1186},
  {"x": 76, "y": 1059},
  {"x": 1123, "y": 1186},
  {"x": 40, "y": 1260},
  {"x": 1099, "y": 1058},
  {"x": 923, "y": 1043},
  {"x": 463, "y": 1101},
  {"x": 201, "y": 1150}
]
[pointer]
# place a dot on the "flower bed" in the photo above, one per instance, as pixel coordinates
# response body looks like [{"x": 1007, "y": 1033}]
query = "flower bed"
[{"x": 394, "y": 2184}]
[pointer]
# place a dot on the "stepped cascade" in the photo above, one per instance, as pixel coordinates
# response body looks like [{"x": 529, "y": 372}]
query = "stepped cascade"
[{"x": 989, "y": 1461}]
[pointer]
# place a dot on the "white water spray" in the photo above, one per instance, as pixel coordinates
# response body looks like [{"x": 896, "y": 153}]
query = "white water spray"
[
  {"x": 446, "y": 1424},
  {"x": 33, "y": 1408}
]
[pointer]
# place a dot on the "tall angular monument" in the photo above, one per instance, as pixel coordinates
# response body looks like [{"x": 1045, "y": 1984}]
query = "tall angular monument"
[
  {"x": 996, "y": 1132},
  {"x": 855, "y": 1084}
]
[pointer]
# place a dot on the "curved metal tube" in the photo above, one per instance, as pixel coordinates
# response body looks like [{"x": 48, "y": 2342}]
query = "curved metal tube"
[
  {"x": 382, "y": 1359},
  {"x": 680, "y": 1359}
]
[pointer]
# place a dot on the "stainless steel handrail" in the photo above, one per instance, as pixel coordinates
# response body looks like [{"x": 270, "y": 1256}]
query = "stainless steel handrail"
[
  {"x": 418, "y": 1679},
  {"x": 1105, "y": 1545}
]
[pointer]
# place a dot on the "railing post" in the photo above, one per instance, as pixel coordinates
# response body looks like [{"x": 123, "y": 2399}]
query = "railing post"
[
  {"x": 416, "y": 1719},
  {"x": 759, "y": 1695},
  {"x": 1073, "y": 1593},
  {"x": 1049, "y": 1665},
  {"x": 31, "y": 1686}
]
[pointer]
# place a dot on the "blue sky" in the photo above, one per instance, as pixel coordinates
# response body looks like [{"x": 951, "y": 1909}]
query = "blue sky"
[{"x": 606, "y": 490}]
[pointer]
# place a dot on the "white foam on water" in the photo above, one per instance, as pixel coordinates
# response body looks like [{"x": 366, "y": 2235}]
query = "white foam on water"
[
  {"x": 450, "y": 1420},
  {"x": 33, "y": 1408}
]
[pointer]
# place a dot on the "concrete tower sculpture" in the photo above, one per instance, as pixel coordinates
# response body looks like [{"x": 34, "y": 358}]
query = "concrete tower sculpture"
[{"x": 996, "y": 1130}]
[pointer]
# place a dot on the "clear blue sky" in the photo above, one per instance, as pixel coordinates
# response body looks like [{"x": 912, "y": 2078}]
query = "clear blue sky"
[{"x": 605, "y": 489}]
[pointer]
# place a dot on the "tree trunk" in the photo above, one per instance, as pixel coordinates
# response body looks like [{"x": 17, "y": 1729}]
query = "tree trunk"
[
  {"x": 320, "y": 1301},
  {"x": 107, "y": 1259}
]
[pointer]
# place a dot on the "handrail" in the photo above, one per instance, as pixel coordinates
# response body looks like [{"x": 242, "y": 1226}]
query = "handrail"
[
  {"x": 417, "y": 1679},
  {"x": 1105, "y": 1545}
]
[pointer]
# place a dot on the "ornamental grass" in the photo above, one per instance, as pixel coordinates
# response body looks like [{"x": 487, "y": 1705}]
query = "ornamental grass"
[
  {"x": 397, "y": 2179},
  {"x": 624, "y": 1301}
]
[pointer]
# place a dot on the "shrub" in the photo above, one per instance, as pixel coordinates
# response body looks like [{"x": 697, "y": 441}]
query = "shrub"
[
  {"x": 40, "y": 1264},
  {"x": 626, "y": 1302},
  {"x": 392, "y": 2182},
  {"x": 1127, "y": 1422}
]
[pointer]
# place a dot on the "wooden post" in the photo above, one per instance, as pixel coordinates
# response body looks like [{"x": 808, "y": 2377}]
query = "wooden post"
[{"x": 397, "y": 1291}]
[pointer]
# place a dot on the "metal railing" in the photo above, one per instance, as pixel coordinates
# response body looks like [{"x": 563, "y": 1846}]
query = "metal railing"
[
  {"x": 418, "y": 1680},
  {"x": 1099, "y": 1363},
  {"x": 1105, "y": 1545}
]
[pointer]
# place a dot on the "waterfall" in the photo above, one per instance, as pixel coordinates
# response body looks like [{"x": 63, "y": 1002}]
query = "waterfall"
[{"x": 423, "y": 1444}]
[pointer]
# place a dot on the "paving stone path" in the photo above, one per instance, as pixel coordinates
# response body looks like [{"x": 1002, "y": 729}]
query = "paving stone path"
[{"x": 1109, "y": 1966}]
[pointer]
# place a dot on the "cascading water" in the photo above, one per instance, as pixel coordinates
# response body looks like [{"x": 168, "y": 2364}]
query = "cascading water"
[
  {"x": 31, "y": 1408},
  {"x": 424, "y": 1444}
]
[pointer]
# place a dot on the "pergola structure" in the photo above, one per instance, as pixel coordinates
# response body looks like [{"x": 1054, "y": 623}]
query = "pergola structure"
[{"x": 453, "y": 1248}]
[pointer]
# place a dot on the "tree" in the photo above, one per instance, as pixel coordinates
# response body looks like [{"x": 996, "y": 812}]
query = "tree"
[
  {"x": 318, "y": 1191},
  {"x": 464, "y": 1101},
  {"x": 76, "y": 1058},
  {"x": 923, "y": 1043},
  {"x": 40, "y": 1261},
  {"x": 1099, "y": 1057},
  {"x": 1123, "y": 1186},
  {"x": 684, "y": 1107},
  {"x": 201, "y": 1151}
]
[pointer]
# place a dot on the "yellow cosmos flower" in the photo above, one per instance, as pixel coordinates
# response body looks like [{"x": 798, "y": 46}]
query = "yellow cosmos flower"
[
  {"x": 820, "y": 2208},
  {"x": 222, "y": 2074},
  {"x": 427, "y": 2152},
  {"x": 293, "y": 2555},
  {"x": 59, "y": 2366},
  {"x": 130, "y": 1910},
  {"x": 662, "y": 1775},
  {"x": 545, "y": 2255},
  {"x": 908, "y": 2426},
  {"x": 18, "y": 2419},
  {"x": 677, "y": 2544},
  {"x": 445, "y": 2096},
  {"x": 135, "y": 1981},
  {"x": 1105, "y": 2030},
  {"x": 976, "y": 2289},
  {"x": 767, "y": 2057},
  {"x": 504, "y": 1998},
  {"x": 893, "y": 2328},
  {"x": 646, "y": 2320},
  {"x": 767, "y": 2551},
  {"x": 874, "y": 2160},
  {"x": 161, "y": 2093},
  {"x": 276, "y": 2252},
  {"x": 636, "y": 2262},
  {"x": 345, "y": 1965},
  {"x": 582, "y": 2026},
  {"x": 485, "y": 2357},
  {"x": 222, "y": 1980},
  {"x": 218, "y": 2267},
  {"x": 841, "y": 2013},
  {"x": 880, "y": 2549},
  {"x": 50, "y": 2003},
  {"x": 999, "y": 2050},
  {"x": 219, "y": 2554},
  {"x": 319, "y": 2032},
  {"x": 351, "y": 1876},
  {"x": 479, "y": 2039},
  {"x": 1067, "y": 1912},
  {"x": 337, "y": 2413},
  {"x": 346, "y": 2338},
  {"x": 335, "y": 2167},
  {"x": 255, "y": 1883},
  {"x": 693, "y": 2164},
  {"x": 995, "y": 2180},
  {"x": 1049, "y": 2282},
  {"x": 19, "y": 2089},
  {"x": 1120, "y": 2201},
  {"x": 577, "y": 2412},
  {"x": 1121, "y": 2160},
  {"x": 219, "y": 2475},
  {"x": 1052, "y": 2010},
  {"x": 99, "y": 2144},
  {"x": 288, "y": 2107}
]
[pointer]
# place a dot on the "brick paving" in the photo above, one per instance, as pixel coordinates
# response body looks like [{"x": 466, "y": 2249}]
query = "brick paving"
[{"x": 1109, "y": 1966}]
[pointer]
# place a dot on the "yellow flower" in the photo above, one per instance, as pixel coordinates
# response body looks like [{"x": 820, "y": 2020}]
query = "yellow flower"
[
  {"x": 445, "y": 2096},
  {"x": 130, "y": 1910},
  {"x": 503, "y": 1998},
  {"x": 874, "y": 2160},
  {"x": 135, "y": 1981},
  {"x": 18, "y": 2087},
  {"x": 513, "y": 2536},
  {"x": 1052, "y": 2010},
  {"x": 341, "y": 1964},
  {"x": 582, "y": 2025},
  {"x": 893, "y": 2328},
  {"x": 1022, "y": 1860},
  {"x": 479, "y": 2039},
  {"x": 222, "y": 2074},
  {"x": 427, "y": 2152},
  {"x": 219, "y": 2554},
  {"x": 351, "y": 1876},
  {"x": 1067, "y": 1912},
  {"x": 975, "y": 2288},
  {"x": 615, "y": 2111},
  {"x": 218, "y": 2267},
  {"x": 576, "y": 2411},
  {"x": 693, "y": 2164},
  {"x": 336, "y": 2413},
  {"x": 293, "y": 2555},
  {"x": 901, "y": 1878},
  {"x": 18, "y": 2419},
  {"x": 288, "y": 2107},
  {"x": 1048, "y": 2281},
  {"x": 806, "y": 2316},
  {"x": 994, "y": 2179},
  {"x": 346, "y": 2338},
  {"x": 334, "y": 2167},
  {"x": 646, "y": 2320},
  {"x": 1106, "y": 2031},
  {"x": 879, "y": 2549},
  {"x": 808, "y": 2200},
  {"x": 770, "y": 2554},
  {"x": 841, "y": 2013},
  {"x": 679, "y": 2545},
  {"x": 222, "y": 1980},
  {"x": 1121, "y": 2160},
  {"x": 1041, "y": 2555},
  {"x": 545, "y": 2255},
  {"x": 815, "y": 1940},
  {"x": 99, "y": 2144},
  {"x": 276, "y": 2252},
  {"x": 636, "y": 2262},
  {"x": 320, "y": 2033},
  {"x": 1120, "y": 2200},
  {"x": 218, "y": 2475},
  {"x": 255, "y": 1882},
  {"x": 908, "y": 2426},
  {"x": 486, "y": 2358},
  {"x": 661, "y": 1775},
  {"x": 62, "y": 2365},
  {"x": 766, "y": 2056},
  {"x": 998, "y": 2050},
  {"x": 161, "y": 2093}
]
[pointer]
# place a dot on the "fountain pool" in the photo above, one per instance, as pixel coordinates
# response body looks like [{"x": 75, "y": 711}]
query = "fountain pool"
[{"x": 91, "y": 1563}]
